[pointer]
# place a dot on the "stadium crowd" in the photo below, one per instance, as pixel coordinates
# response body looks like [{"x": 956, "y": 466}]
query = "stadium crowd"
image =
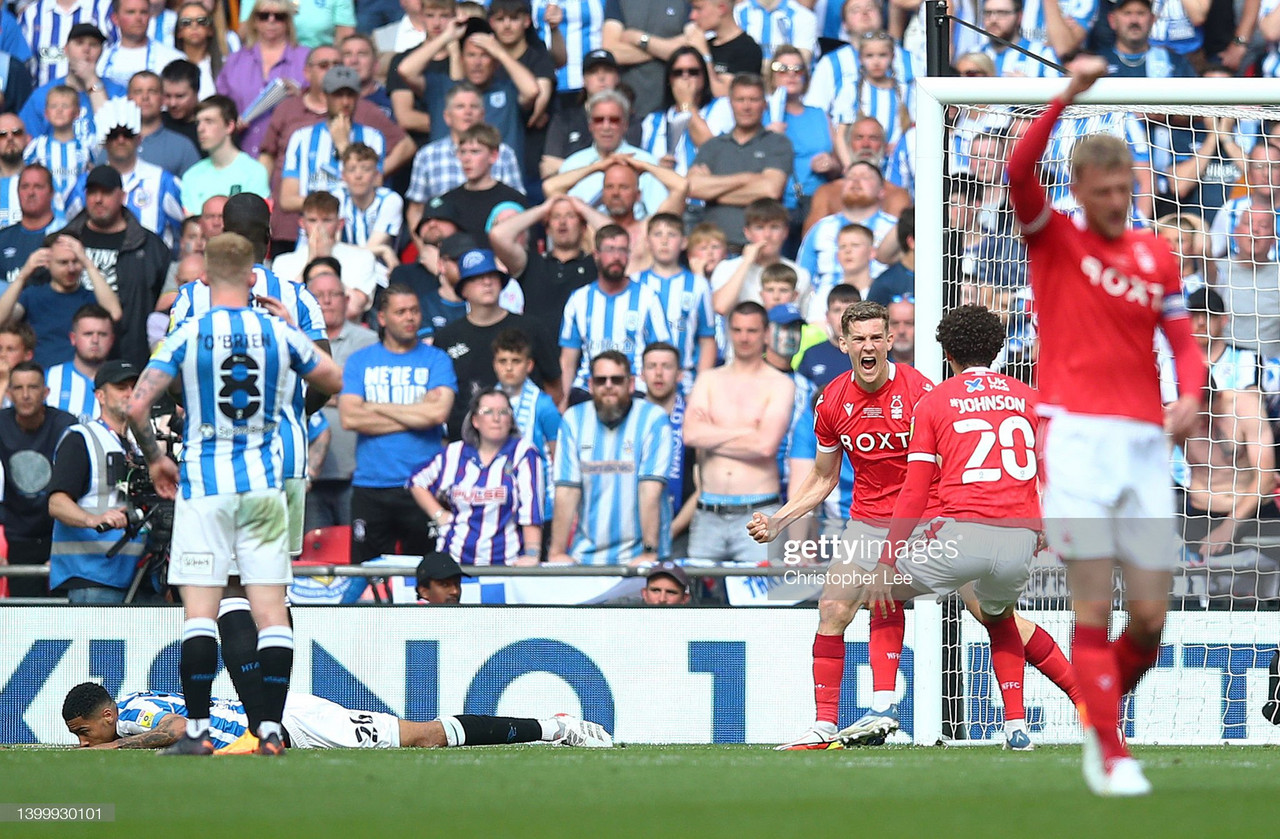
[{"x": 583, "y": 263}]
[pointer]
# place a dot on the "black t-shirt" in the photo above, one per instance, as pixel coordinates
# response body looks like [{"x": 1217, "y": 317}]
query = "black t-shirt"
[
  {"x": 436, "y": 311},
  {"x": 471, "y": 348},
  {"x": 547, "y": 283},
  {"x": 137, "y": 292},
  {"x": 71, "y": 467},
  {"x": 396, "y": 82},
  {"x": 473, "y": 207},
  {"x": 27, "y": 460},
  {"x": 741, "y": 55}
]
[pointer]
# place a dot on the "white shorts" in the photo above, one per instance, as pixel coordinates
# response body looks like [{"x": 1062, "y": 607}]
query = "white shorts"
[
  {"x": 862, "y": 544},
  {"x": 210, "y": 532},
  {"x": 295, "y": 497},
  {"x": 1108, "y": 492},
  {"x": 996, "y": 559},
  {"x": 315, "y": 723}
]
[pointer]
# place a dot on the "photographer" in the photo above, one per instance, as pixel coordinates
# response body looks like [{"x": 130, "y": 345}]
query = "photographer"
[{"x": 85, "y": 494}]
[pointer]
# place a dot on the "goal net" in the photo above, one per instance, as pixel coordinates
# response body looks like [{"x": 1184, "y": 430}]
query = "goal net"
[{"x": 1207, "y": 179}]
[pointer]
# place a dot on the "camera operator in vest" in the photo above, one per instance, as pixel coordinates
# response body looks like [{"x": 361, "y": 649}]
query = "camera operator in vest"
[{"x": 87, "y": 502}]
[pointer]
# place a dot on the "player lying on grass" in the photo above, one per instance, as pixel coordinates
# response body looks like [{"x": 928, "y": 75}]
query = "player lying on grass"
[
  {"x": 148, "y": 720},
  {"x": 867, "y": 414}
]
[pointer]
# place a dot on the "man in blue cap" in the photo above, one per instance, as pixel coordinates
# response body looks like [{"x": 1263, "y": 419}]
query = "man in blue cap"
[{"x": 469, "y": 340}]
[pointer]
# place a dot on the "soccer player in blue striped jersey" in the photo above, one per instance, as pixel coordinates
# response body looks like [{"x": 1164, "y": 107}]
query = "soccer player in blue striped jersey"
[
  {"x": 612, "y": 313},
  {"x": 230, "y": 503},
  {"x": 612, "y": 460},
  {"x": 152, "y": 720},
  {"x": 71, "y": 383},
  {"x": 685, "y": 297},
  {"x": 579, "y": 25},
  {"x": 311, "y": 159},
  {"x": 780, "y": 22}
]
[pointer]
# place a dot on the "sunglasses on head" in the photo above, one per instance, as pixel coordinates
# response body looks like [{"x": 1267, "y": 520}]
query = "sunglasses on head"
[
  {"x": 193, "y": 21},
  {"x": 277, "y": 16}
]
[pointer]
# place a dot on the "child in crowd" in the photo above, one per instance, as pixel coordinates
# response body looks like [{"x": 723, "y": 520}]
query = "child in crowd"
[
  {"x": 855, "y": 245},
  {"x": 65, "y": 155},
  {"x": 707, "y": 246},
  {"x": 765, "y": 227},
  {"x": 685, "y": 296},
  {"x": 370, "y": 212},
  {"x": 820, "y": 358},
  {"x": 534, "y": 412}
]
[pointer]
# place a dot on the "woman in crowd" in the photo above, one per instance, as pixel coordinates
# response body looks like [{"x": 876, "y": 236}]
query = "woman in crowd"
[
  {"x": 808, "y": 128},
  {"x": 196, "y": 36},
  {"x": 689, "y": 115},
  {"x": 319, "y": 22},
  {"x": 271, "y": 52},
  {"x": 485, "y": 491}
]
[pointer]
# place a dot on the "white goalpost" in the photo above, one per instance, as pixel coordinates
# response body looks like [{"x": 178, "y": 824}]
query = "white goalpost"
[{"x": 1224, "y": 625}]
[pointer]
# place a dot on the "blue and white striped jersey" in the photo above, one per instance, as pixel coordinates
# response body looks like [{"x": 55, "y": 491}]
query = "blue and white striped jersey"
[
  {"x": 818, "y": 249},
  {"x": 627, "y": 321},
  {"x": 608, "y": 465},
  {"x": 1057, "y": 177},
  {"x": 234, "y": 367},
  {"x": 900, "y": 167},
  {"x": 142, "y": 711},
  {"x": 119, "y": 63},
  {"x": 10, "y": 209},
  {"x": 1034, "y": 28},
  {"x": 193, "y": 301},
  {"x": 490, "y": 503},
  {"x": 893, "y": 107},
  {"x": 383, "y": 215},
  {"x": 153, "y": 194},
  {"x": 656, "y": 132},
  {"x": 311, "y": 158},
  {"x": 71, "y": 391},
  {"x": 581, "y": 27},
  {"x": 686, "y": 299},
  {"x": 1010, "y": 62},
  {"x": 1173, "y": 28},
  {"x": 787, "y": 23},
  {"x": 827, "y": 14},
  {"x": 66, "y": 161},
  {"x": 838, "y": 70},
  {"x": 46, "y": 25}
]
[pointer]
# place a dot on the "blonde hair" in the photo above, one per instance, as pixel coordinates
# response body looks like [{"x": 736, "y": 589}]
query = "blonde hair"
[
  {"x": 1100, "y": 151},
  {"x": 904, "y": 116},
  {"x": 228, "y": 259},
  {"x": 251, "y": 25}
]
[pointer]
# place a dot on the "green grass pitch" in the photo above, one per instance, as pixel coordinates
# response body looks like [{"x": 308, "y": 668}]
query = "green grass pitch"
[{"x": 663, "y": 791}]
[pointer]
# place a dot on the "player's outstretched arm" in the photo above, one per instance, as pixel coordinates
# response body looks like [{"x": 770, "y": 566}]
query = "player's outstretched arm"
[
  {"x": 1181, "y": 415},
  {"x": 166, "y": 733},
  {"x": 815, "y": 488}
]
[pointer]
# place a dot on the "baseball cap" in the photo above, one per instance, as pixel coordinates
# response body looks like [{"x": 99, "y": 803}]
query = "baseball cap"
[
  {"x": 86, "y": 30},
  {"x": 1116, "y": 4},
  {"x": 1206, "y": 300},
  {"x": 477, "y": 263},
  {"x": 437, "y": 566},
  {"x": 115, "y": 372},
  {"x": 105, "y": 177},
  {"x": 340, "y": 77},
  {"x": 786, "y": 313},
  {"x": 438, "y": 208},
  {"x": 670, "y": 569},
  {"x": 597, "y": 57},
  {"x": 456, "y": 245}
]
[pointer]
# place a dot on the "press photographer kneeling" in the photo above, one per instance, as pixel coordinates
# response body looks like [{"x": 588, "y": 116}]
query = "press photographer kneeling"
[{"x": 87, "y": 500}]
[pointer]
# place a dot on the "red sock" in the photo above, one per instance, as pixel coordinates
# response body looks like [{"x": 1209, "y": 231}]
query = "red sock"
[
  {"x": 1095, "y": 664},
  {"x": 828, "y": 670},
  {"x": 886, "y": 647},
  {"x": 1133, "y": 660},
  {"x": 1044, "y": 655},
  {"x": 1008, "y": 662}
]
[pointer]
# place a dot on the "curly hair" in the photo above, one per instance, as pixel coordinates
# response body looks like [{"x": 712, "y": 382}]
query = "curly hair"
[
  {"x": 84, "y": 700},
  {"x": 971, "y": 335}
]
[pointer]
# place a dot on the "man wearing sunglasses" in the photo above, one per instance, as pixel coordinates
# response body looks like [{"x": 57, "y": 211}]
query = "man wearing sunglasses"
[{"x": 135, "y": 50}]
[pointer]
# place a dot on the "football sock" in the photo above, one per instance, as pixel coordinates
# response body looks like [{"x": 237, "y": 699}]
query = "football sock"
[
  {"x": 1009, "y": 664},
  {"x": 239, "y": 636},
  {"x": 1099, "y": 676},
  {"x": 199, "y": 666},
  {"x": 197, "y": 728},
  {"x": 1133, "y": 660},
  {"x": 473, "y": 730},
  {"x": 1271, "y": 708},
  {"x": 1044, "y": 655},
  {"x": 885, "y": 650},
  {"x": 828, "y": 671},
  {"x": 275, "y": 652}
]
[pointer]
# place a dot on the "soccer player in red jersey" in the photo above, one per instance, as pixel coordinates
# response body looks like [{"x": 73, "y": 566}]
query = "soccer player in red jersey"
[
  {"x": 975, "y": 434},
  {"x": 1101, "y": 291}
]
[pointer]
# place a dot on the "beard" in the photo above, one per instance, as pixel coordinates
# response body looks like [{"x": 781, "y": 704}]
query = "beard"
[
  {"x": 611, "y": 412},
  {"x": 613, "y": 272}
]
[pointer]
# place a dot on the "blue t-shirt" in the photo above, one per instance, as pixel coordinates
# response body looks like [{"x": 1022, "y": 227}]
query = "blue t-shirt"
[
  {"x": 895, "y": 281},
  {"x": 822, "y": 363},
  {"x": 49, "y": 312},
  {"x": 16, "y": 244},
  {"x": 376, "y": 374}
]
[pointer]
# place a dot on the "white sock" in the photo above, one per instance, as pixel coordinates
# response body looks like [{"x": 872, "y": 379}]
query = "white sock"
[
  {"x": 881, "y": 700},
  {"x": 266, "y": 729},
  {"x": 824, "y": 726},
  {"x": 1011, "y": 726},
  {"x": 197, "y": 728},
  {"x": 453, "y": 733},
  {"x": 550, "y": 729}
]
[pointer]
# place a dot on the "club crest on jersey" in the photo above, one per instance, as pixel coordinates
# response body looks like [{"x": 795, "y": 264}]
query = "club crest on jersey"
[
  {"x": 973, "y": 385},
  {"x": 1146, "y": 260},
  {"x": 895, "y": 408}
]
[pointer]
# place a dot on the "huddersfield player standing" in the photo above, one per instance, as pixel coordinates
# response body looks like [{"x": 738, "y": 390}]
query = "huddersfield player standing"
[
  {"x": 235, "y": 366},
  {"x": 1101, "y": 292}
]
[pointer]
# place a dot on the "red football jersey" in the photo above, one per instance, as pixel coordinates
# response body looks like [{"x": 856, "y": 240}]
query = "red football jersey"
[
  {"x": 980, "y": 427},
  {"x": 874, "y": 430}
]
